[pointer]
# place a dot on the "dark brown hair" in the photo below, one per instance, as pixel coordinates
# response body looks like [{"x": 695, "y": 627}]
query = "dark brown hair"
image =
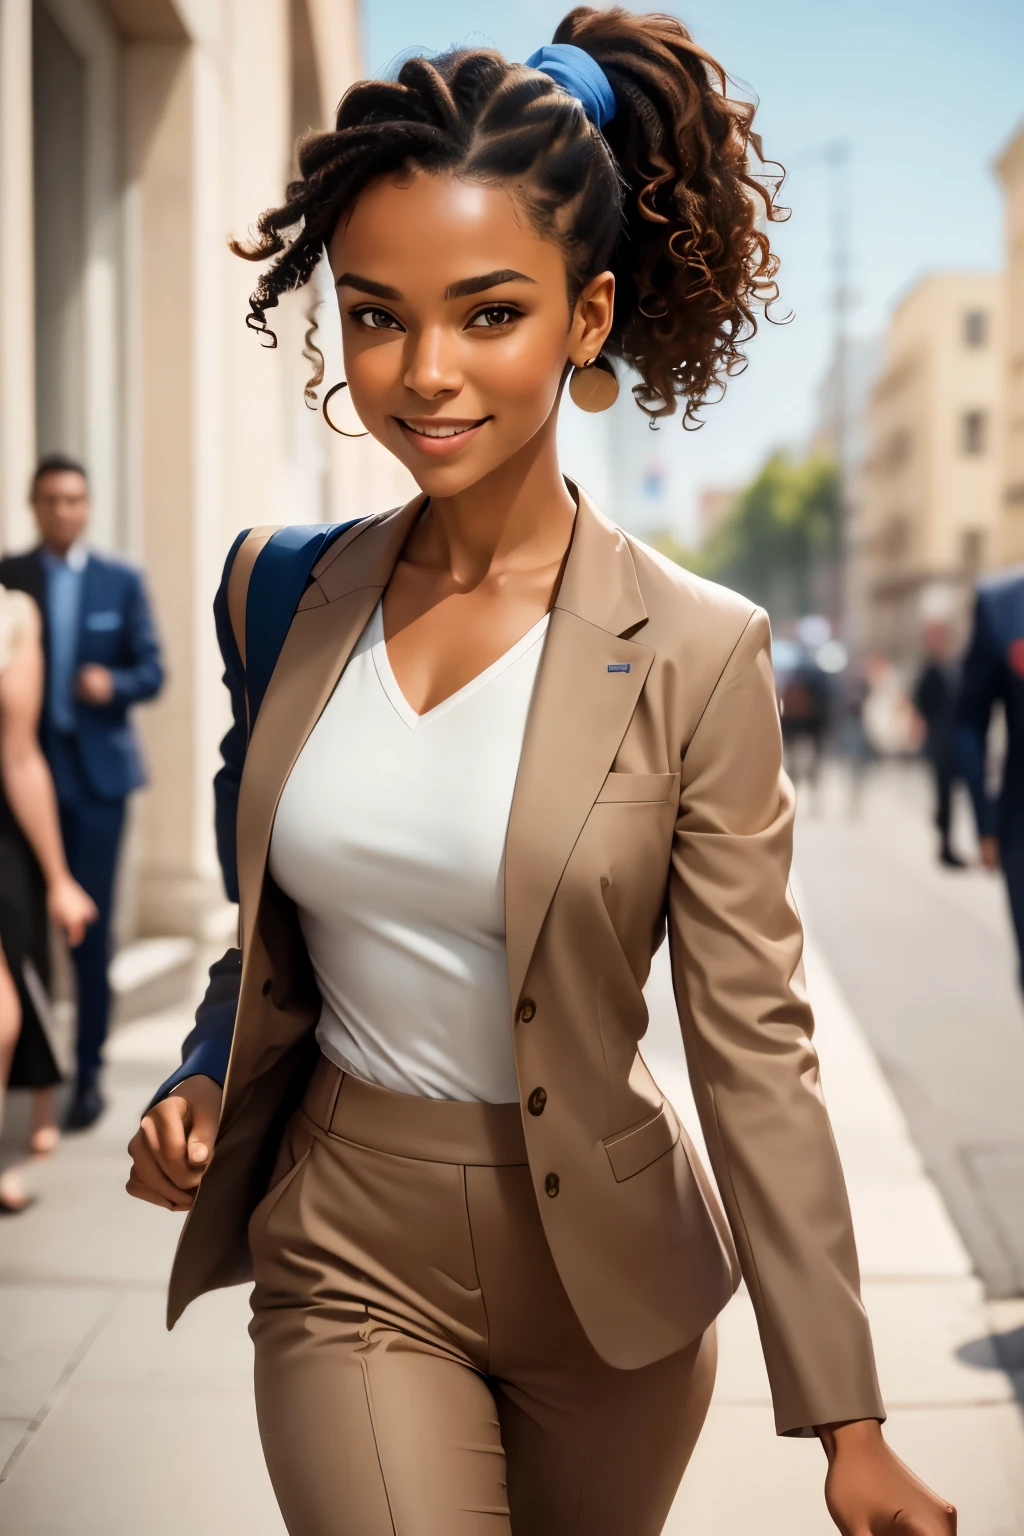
[{"x": 666, "y": 196}]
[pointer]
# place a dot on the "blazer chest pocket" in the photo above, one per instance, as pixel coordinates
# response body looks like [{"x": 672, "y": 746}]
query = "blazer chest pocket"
[
  {"x": 103, "y": 622},
  {"x": 631, "y": 1151},
  {"x": 639, "y": 789}
]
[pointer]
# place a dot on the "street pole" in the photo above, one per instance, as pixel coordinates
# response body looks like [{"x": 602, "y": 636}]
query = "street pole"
[{"x": 837, "y": 158}]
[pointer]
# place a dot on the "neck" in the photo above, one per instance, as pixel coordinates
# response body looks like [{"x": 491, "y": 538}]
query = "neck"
[
  {"x": 61, "y": 551},
  {"x": 518, "y": 517}
]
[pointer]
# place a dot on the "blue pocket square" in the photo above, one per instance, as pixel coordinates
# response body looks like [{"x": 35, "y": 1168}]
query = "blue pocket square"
[
  {"x": 618, "y": 666},
  {"x": 107, "y": 618}
]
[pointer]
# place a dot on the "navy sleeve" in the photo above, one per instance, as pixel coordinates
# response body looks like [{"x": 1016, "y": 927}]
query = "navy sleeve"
[
  {"x": 981, "y": 685},
  {"x": 232, "y": 748},
  {"x": 142, "y": 676},
  {"x": 206, "y": 1049}
]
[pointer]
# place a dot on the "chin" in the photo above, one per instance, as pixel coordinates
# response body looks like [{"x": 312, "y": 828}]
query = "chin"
[{"x": 448, "y": 479}]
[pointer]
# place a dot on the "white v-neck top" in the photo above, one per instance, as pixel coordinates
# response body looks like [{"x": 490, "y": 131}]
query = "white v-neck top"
[{"x": 390, "y": 838}]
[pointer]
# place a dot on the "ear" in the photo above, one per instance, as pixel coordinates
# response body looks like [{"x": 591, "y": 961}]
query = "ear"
[{"x": 592, "y": 319}]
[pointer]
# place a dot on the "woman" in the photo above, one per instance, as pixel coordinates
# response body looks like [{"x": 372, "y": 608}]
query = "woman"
[
  {"x": 504, "y": 747},
  {"x": 35, "y": 885}
]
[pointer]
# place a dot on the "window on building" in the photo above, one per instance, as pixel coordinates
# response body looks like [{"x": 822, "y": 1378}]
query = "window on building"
[
  {"x": 976, "y": 328},
  {"x": 973, "y": 431},
  {"x": 972, "y": 548}
]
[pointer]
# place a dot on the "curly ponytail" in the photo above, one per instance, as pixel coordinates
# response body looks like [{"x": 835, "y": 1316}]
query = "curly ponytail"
[
  {"x": 691, "y": 262},
  {"x": 665, "y": 197}
]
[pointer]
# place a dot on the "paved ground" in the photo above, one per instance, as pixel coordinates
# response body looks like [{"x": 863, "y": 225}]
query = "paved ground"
[
  {"x": 111, "y": 1427},
  {"x": 924, "y": 956}
]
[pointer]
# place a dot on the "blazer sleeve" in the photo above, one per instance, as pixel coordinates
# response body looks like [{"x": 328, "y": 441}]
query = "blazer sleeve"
[
  {"x": 736, "y": 946},
  {"x": 205, "y": 1051},
  {"x": 981, "y": 684},
  {"x": 142, "y": 675}
]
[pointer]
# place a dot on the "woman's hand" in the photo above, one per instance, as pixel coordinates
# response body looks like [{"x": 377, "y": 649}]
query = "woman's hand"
[
  {"x": 171, "y": 1149},
  {"x": 869, "y": 1491},
  {"x": 70, "y": 908}
]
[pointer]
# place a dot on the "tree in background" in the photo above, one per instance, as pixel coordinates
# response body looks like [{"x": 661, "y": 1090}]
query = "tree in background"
[{"x": 780, "y": 543}]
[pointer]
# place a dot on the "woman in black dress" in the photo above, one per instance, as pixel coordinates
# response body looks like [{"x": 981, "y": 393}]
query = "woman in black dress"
[{"x": 35, "y": 884}]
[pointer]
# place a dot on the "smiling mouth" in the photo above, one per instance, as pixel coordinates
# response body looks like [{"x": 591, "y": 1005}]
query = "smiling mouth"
[{"x": 441, "y": 429}]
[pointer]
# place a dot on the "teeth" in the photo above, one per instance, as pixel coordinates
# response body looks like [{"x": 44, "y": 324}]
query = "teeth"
[{"x": 437, "y": 431}]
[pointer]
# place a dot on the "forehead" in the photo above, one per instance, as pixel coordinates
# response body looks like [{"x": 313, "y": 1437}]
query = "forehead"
[
  {"x": 61, "y": 482},
  {"x": 423, "y": 232}
]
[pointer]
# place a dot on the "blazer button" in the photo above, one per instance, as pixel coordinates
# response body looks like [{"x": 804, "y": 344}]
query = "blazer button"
[
  {"x": 551, "y": 1185},
  {"x": 526, "y": 1010},
  {"x": 535, "y": 1103},
  {"x": 267, "y": 986}
]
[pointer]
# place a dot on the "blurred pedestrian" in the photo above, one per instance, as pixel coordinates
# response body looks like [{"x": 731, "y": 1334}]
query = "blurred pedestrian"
[
  {"x": 935, "y": 700},
  {"x": 805, "y": 696},
  {"x": 993, "y": 671},
  {"x": 851, "y": 736},
  {"x": 102, "y": 656},
  {"x": 35, "y": 883}
]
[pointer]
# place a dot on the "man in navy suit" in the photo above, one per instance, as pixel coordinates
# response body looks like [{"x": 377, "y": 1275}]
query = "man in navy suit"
[
  {"x": 102, "y": 656},
  {"x": 993, "y": 672}
]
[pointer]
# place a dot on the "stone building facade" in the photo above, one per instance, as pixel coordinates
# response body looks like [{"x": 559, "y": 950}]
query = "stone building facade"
[
  {"x": 135, "y": 137},
  {"x": 929, "y": 485},
  {"x": 1010, "y": 168}
]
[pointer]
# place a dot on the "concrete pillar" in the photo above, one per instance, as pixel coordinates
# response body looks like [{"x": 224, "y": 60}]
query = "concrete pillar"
[
  {"x": 172, "y": 380},
  {"x": 17, "y": 306}
]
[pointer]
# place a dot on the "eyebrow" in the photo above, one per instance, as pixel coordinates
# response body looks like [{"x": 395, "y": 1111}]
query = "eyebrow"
[
  {"x": 463, "y": 289},
  {"x": 379, "y": 290},
  {"x": 470, "y": 285}
]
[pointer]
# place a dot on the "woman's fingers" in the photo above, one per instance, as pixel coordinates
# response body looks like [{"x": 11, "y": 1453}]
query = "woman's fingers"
[
  {"x": 201, "y": 1134},
  {"x": 141, "y": 1191},
  {"x": 164, "y": 1128},
  {"x": 148, "y": 1181}
]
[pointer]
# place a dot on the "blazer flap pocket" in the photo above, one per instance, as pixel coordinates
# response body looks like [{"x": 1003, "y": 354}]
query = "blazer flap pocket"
[
  {"x": 631, "y": 1151},
  {"x": 623, "y": 787}
]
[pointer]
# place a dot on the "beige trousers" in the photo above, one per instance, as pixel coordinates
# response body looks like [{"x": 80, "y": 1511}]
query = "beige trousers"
[{"x": 419, "y": 1369}]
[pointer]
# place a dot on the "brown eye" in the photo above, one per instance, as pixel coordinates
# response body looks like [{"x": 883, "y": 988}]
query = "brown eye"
[
  {"x": 376, "y": 319},
  {"x": 494, "y": 315}
]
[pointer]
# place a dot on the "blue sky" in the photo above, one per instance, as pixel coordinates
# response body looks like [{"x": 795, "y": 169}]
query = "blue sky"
[{"x": 924, "y": 94}]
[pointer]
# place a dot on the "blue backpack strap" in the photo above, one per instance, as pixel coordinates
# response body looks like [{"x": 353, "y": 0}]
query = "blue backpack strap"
[{"x": 279, "y": 576}]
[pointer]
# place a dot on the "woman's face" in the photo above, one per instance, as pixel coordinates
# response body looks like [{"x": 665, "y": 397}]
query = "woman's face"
[{"x": 456, "y": 324}]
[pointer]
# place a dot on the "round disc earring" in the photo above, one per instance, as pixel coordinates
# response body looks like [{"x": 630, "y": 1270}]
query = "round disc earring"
[{"x": 594, "y": 387}]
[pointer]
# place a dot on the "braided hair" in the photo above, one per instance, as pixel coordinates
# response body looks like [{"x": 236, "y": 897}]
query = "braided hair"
[{"x": 665, "y": 196}]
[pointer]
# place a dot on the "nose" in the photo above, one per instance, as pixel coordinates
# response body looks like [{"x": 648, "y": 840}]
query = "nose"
[{"x": 432, "y": 368}]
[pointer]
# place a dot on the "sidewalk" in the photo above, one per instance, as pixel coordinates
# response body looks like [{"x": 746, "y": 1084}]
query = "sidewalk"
[{"x": 111, "y": 1427}]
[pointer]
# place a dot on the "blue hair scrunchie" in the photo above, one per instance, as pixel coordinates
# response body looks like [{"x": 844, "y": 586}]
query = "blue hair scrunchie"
[{"x": 582, "y": 76}]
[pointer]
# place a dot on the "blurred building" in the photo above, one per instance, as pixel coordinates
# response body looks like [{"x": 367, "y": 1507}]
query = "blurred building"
[
  {"x": 135, "y": 137},
  {"x": 1010, "y": 167},
  {"x": 714, "y": 503},
  {"x": 929, "y": 490}
]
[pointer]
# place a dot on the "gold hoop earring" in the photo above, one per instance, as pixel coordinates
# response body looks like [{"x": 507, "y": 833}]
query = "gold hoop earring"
[
  {"x": 594, "y": 388},
  {"x": 330, "y": 393}
]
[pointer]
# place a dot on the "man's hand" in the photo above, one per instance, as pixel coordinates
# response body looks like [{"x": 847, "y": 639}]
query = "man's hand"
[
  {"x": 870, "y": 1492},
  {"x": 171, "y": 1149},
  {"x": 95, "y": 684},
  {"x": 71, "y": 908},
  {"x": 988, "y": 850}
]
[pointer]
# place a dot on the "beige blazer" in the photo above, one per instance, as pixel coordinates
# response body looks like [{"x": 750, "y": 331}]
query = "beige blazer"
[{"x": 650, "y": 800}]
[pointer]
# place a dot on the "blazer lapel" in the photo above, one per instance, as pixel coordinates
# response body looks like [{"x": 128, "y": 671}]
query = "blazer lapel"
[
  {"x": 578, "y": 718},
  {"x": 329, "y": 620}
]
